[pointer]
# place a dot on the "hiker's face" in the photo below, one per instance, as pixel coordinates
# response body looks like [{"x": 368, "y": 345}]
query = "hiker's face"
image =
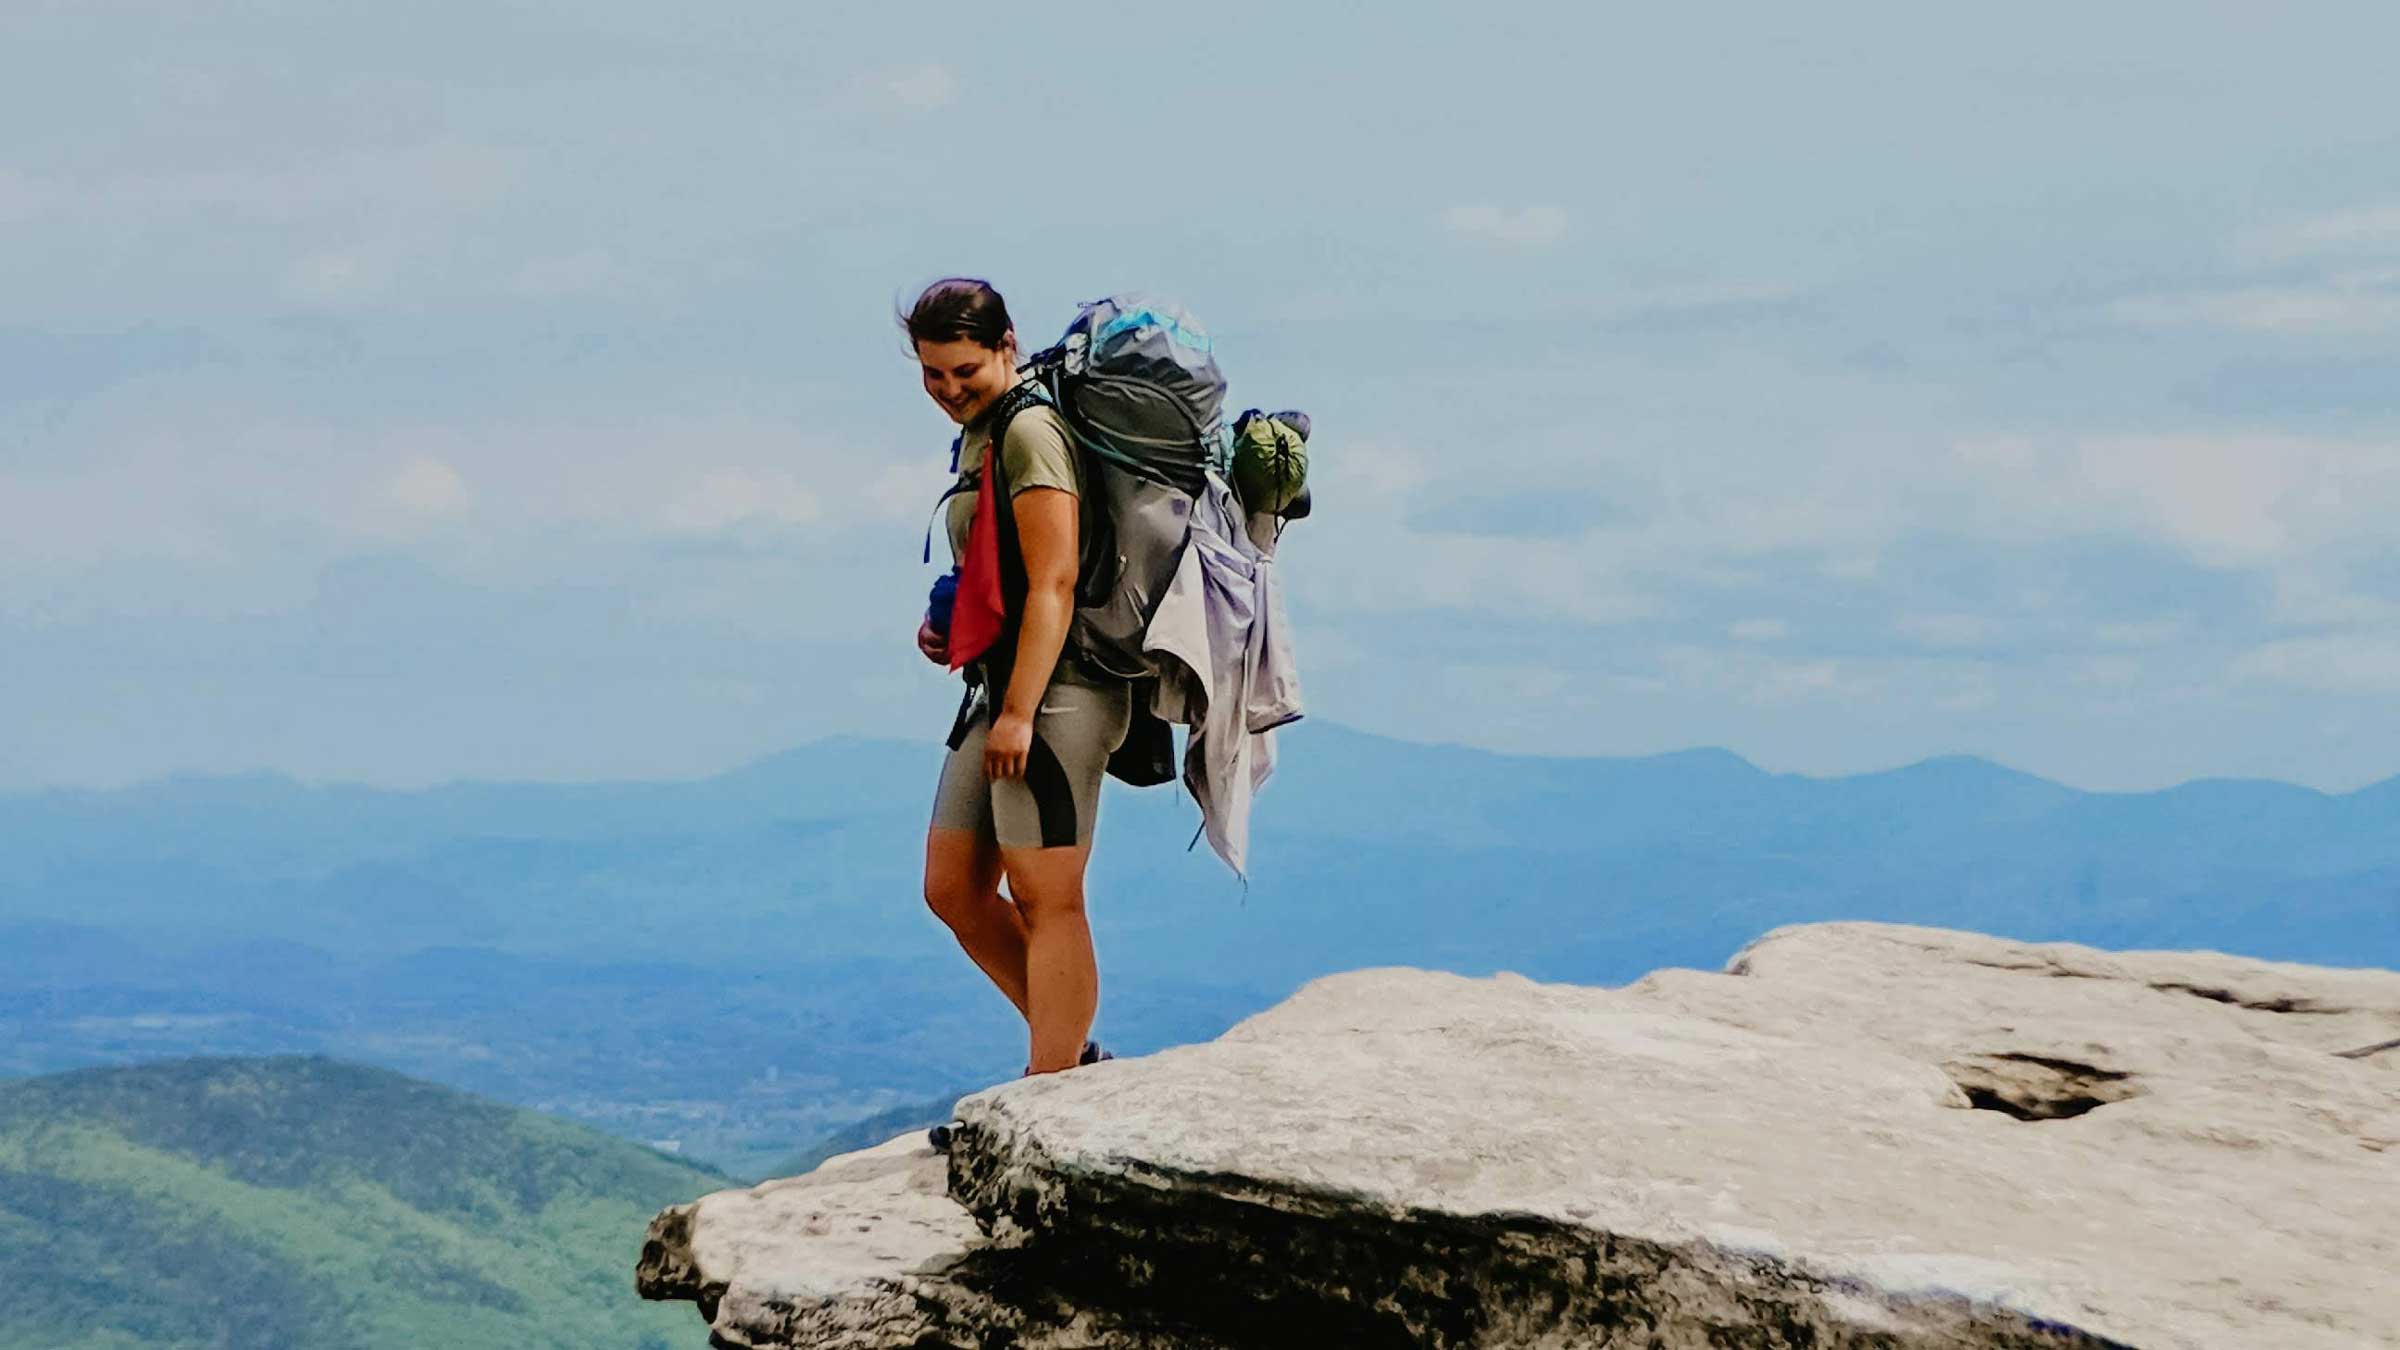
[{"x": 964, "y": 376}]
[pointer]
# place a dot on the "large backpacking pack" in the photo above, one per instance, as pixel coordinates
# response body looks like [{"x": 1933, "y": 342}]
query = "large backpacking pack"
[{"x": 1136, "y": 382}]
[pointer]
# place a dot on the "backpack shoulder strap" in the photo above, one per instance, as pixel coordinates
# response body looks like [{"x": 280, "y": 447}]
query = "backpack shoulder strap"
[
  {"x": 1004, "y": 517},
  {"x": 1029, "y": 394},
  {"x": 1094, "y": 529},
  {"x": 1006, "y": 407},
  {"x": 1004, "y": 411}
]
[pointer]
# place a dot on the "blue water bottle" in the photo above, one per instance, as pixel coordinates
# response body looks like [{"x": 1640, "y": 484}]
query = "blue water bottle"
[{"x": 939, "y": 604}]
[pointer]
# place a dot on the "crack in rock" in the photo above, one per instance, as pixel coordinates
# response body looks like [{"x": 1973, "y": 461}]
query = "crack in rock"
[
  {"x": 2037, "y": 1087},
  {"x": 2272, "y": 1005}
]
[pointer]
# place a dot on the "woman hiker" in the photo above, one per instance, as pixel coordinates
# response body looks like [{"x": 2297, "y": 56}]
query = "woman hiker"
[{"x": 1020, "y": 791}]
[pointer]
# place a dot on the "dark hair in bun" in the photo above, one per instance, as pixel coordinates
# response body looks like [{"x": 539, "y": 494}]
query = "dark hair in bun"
[{"x": 955, "y": 308}]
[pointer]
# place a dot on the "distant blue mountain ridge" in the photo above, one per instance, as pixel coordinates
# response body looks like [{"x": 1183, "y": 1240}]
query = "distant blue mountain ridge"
[
  {"x": 745, "y": 960},
  {"x": 1367, "y": 848}
]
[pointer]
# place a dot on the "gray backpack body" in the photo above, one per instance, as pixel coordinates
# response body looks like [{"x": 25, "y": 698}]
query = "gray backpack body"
[{"x": 1136, "y": 382}]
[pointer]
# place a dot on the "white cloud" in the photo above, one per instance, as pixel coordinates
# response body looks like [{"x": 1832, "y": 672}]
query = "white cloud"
[
  {"x": 1380, "y": 568},
  {"x": 1947, "y": 630},
  {"x": 341, "y": 278},
  {"x": 2351, "y": 304},
  {"x": 586, "y": 272},
  {"x": 427, "y": 486},
  {"x": 2228, "y": 500},
  {"x": 1717, "y": 294},
  {"x": 919, "y": 88},
  {"x": 2332, "y": 664},
  {"x": 445, "y": 179},
  {"x": 2222, "y": 498},
  {"x": 2314, "y": 594},
  {"x": 1771, "y": 514},
  {"x": 2141, "y": 632},
  {"x": 21, "y": 197},
  {"x": 1512, "y": 227},
  {"x": 2355, "y": 291},
  {"x": 2365, "y": 229},
  {"x": 1733, "y": 522},
  {"x": 1757, "y": 679},
  {"x": 2109, "y": 672},
  {"x": 208, "y": 481},
  {"x": 1512, "y": 683},
  {"x": 1974, "y": 691},
  {"x": 1328, "y": 646},
  {"x": 1382, "y": 472},
  {"x": 722, "y": 497},
  {"x": 1778, "y": 685},
  {"x": 905, "y": 491}
]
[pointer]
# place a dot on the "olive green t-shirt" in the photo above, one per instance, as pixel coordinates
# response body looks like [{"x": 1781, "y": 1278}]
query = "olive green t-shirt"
[{"x": 1038, "y": 454}]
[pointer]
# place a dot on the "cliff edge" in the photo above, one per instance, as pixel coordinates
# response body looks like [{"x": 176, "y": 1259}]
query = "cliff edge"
[{"x": 1857, "y": 1134}]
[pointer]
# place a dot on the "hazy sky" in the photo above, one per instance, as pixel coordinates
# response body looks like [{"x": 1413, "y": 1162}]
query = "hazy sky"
[{"x": 409, "y": 392}]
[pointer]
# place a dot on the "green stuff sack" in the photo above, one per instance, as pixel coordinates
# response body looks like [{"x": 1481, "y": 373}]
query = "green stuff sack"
[{"x": 1270, "y": 459}]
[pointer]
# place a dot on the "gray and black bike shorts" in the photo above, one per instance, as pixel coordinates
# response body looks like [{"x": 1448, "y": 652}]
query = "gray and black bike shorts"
[{"x": 1055, "y": 805}]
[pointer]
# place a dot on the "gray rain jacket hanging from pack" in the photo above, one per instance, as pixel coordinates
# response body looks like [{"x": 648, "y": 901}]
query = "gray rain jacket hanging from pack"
[{"x": 1220, "y": 644}]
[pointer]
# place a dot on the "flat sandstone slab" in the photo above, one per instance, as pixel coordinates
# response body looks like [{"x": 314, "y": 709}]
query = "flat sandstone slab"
[{"x": 1860, "y": 1135}]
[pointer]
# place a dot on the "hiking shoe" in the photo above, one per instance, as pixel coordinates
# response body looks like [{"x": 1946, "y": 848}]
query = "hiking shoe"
[{"x": 1092, "y": 1053}]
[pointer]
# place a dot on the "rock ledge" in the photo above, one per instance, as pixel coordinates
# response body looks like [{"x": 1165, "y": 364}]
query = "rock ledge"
[{"x": 1857, "y": 1135}]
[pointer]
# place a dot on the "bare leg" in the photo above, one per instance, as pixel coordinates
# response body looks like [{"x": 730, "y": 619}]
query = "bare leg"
[
  {"x": 1061, "y": 975},
  {"x": 962, "y": 887}
]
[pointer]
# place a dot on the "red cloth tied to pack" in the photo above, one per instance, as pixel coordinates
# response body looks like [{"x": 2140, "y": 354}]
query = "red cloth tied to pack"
[{"x": 978, "y": 614}]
